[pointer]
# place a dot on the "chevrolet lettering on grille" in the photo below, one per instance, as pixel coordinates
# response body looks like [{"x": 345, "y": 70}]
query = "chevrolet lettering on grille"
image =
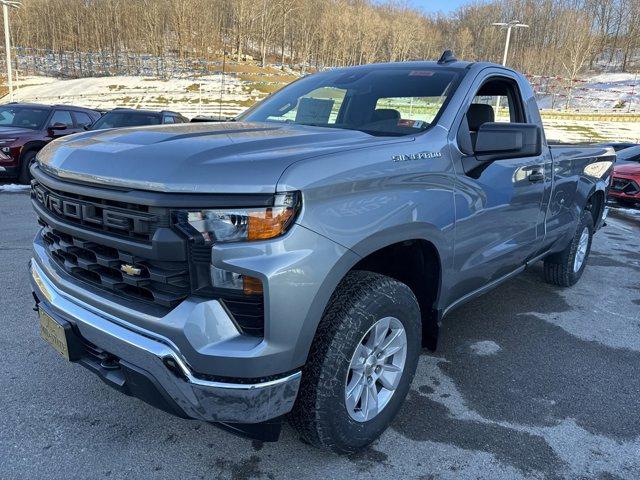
[{"x": 89, "y": 213}]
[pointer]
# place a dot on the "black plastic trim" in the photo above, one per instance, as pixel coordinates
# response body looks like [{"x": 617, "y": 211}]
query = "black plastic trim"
[{"x": 268, "y": 431}]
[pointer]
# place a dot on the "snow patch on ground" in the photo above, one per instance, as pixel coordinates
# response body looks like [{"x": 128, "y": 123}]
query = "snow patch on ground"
[
  {"x": 207, "y": 95},
  {"x": 606, "y": 92},
  {"x": 484, "y": 348},
  {"x": 13, "y": 187},
  {"x": 627, "y": 212},
  {"x": 230, "y": 94}
]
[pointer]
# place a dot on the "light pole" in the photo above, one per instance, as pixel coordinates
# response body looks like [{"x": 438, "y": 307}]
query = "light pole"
[
  {"x": 7, "y": 40},
  {"x": 508, "y": 26}
]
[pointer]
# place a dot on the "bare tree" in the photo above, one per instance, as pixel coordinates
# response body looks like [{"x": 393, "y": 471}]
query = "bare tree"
[{"x": 333, "y": 32}]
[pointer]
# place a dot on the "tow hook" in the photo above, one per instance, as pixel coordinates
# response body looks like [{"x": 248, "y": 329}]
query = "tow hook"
[{"x": 110, "y": 363}]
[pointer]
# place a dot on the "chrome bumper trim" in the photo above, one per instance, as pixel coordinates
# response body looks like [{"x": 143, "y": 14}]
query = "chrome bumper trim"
[{"x": 202, "y": 399}]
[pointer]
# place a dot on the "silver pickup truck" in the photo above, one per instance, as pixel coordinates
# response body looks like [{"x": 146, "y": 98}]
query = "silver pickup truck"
[{"x": 294, "y": 262}]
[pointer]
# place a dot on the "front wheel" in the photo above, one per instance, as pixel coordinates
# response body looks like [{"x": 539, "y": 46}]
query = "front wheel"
[
  {"x": 361, "y": 364},
  {"x": 565, "y": 268}
]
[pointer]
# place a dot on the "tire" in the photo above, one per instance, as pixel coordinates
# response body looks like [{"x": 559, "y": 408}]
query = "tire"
[
  {"x": 361, "y": 301},
  {"x": 25, "y": 174},
  {"x": 563, "y": 269}
]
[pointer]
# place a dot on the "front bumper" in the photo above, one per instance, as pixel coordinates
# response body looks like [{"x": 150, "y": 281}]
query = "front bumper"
[
  {"x": 174, "y": 385},
  {"x": 629, "y": 189}
]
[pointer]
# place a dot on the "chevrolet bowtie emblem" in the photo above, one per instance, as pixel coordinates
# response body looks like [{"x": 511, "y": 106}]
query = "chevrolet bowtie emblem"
[{"x": 130, "y": 270}]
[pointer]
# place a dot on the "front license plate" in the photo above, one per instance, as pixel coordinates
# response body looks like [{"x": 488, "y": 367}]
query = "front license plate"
[{"x": 53, "y": 333}]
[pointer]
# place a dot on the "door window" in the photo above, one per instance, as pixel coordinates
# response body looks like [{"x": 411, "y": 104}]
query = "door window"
[
  {"x": 82, "y": 119},
  {"x": 497, "y": 100},
  {"x": 61, "y": 116}
]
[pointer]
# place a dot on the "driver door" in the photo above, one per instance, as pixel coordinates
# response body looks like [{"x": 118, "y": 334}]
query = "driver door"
[{"x": 499, "y": 205}]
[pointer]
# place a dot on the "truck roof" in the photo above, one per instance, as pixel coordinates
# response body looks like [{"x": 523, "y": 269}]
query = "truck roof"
[{"x": 454, "y": 64}]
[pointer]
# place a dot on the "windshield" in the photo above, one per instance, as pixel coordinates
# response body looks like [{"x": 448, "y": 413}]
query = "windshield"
[
  {"x": 23, "y": 117},
  {"x": 126, "y": 119},
  {"x": 377, "y": 100}
]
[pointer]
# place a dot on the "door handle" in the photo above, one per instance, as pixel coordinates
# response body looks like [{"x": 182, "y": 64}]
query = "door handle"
[{"x": 536, "y": 175}]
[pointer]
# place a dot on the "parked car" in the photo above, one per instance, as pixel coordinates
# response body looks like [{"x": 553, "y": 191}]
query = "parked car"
[
  {"x": 628, "y": 155},
  {"x": 27, "y": 127},
  {"x": 211, "y": 118},
  {"x": 625, "y": 181},
  {"x": 618, "y": 146},
  {"x": 129, "y": 117},
  {"x": 293, "y": 263}
]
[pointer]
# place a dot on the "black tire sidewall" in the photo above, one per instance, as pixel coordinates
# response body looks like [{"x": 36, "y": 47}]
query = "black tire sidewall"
[
  {"x": 586, "y": 220},
  {"x": 25, "y": 175},
  {"x": 347, "y": 433}
]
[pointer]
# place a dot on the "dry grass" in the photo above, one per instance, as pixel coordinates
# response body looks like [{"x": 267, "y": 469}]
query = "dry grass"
[
  {"x": 250, "y": 68},
  {"x": 270, "y": 78},
  {"x": 263, "y": 87}
]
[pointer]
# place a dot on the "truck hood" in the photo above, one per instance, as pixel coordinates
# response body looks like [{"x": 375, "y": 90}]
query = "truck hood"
[{"x": 195, "y": 158}]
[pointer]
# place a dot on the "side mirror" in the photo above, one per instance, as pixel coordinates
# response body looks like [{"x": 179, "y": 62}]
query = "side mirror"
[
  {"x": 501, "y": 141},
  {"x": 56, "y": 128}
]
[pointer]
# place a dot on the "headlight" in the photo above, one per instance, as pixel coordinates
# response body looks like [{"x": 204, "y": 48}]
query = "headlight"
[
  {"x": 7, "y": 140},
  {"x": 233, "y": 225}
]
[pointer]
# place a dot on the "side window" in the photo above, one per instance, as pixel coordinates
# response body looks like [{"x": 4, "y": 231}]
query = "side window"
[
  {"x": 61, "y": 116},
  {"x": 318, "y": 107},
  {"x": 503, "y": 97},
  {"x": 497, "y": 100},
  {"x": 168, "y": 119},
  {"x": 83, "y": 120}
]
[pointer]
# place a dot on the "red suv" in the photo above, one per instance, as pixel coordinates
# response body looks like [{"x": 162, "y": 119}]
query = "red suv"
[
  {"x": 27, "y": 127},
  {"x": 625, "y": 187}
]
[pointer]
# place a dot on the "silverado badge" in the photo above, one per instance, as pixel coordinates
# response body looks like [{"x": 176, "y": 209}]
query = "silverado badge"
[{"x": 415, "y": 156}]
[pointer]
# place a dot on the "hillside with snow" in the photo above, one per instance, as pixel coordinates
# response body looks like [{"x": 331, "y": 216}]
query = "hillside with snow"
[
  {"x": 609, "y": 96},
  {"x": 606, "y": 92}
]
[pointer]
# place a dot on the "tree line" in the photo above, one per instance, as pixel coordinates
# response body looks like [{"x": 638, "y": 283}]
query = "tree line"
[{"x": 565, "y": 37}]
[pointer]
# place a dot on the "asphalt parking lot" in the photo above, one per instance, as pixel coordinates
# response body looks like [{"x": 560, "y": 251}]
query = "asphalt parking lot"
[{"x": 529, "y": 381}]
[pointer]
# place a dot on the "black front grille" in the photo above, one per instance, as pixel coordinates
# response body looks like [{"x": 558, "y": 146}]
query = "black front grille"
[
  {"x": 135, "y": 251},
  {"x": 123, "y": 219},
  {"x": 163, "y": 283}
]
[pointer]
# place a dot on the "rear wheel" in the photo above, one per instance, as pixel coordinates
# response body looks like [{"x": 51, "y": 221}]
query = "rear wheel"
[
  {"x": 565, "y": 268},
  {"x": 361, "y": 364},
  {"x": 24, "y": 176}
]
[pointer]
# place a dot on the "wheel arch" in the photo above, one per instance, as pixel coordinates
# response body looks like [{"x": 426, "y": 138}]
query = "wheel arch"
[
  {"x": 33, "y": 146},
  {"x": 595, "y": 203},
  {"x": 406, "y": 244}
]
